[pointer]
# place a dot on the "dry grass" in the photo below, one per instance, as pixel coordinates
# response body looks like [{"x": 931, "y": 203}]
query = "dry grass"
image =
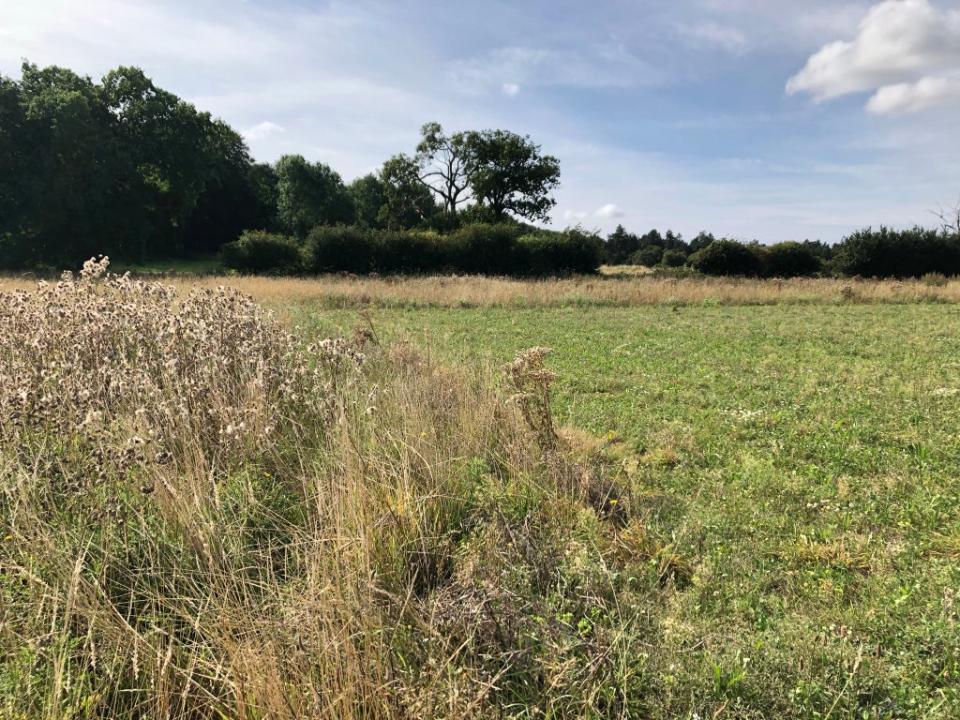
[
  {"x": 202, "y": 518},
  {"x": 626, "y": 291}
]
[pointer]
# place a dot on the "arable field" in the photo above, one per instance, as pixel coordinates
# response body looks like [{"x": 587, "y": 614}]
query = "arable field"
[
  {"x": 752, "y": 509},
  {"x": 801, "y": 465}
]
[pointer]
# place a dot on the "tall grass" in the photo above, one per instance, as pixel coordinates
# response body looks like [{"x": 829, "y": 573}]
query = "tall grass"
[
  {"x": 334, "y": 291},
  {"x": 202, "y": 516}
]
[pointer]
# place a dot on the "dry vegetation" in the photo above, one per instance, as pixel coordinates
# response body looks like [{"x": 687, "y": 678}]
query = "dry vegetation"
[
  {"x": 334, "y": 291},
  {"x": 200, "y": 517}
]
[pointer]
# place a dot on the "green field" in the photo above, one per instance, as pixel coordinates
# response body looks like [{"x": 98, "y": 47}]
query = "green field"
[{"x": 801, "y": 463}]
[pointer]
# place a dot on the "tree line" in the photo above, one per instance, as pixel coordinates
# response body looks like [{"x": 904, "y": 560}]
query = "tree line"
[
  {"x": 883, "y": 253},
  {"x": 125, "y": 168}
]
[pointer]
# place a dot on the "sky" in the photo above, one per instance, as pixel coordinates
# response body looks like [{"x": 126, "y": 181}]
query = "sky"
[{"x": 764, "y": 119}]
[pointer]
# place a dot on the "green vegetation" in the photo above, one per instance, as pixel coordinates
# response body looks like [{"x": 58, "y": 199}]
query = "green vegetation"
[{"x": 800, "y": 465}]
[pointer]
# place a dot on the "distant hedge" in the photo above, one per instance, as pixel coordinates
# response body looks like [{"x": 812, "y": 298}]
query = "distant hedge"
[
  {"x": 260, "y": 252},
  {"x": 898, "y": 253},
  {"x": 477, "y": 249}
]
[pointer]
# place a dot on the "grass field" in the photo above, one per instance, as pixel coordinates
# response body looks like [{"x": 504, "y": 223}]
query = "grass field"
[
  {"x": 752, "y": 510},
  {"x": 801, "y": 463}
]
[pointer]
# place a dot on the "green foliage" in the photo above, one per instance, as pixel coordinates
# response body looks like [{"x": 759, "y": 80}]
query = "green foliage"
[
  {"x": 407, "y": 202},
  {"x": 486, "y": 249},
  {"x": 728, "y": 257},
  {"x": 258, "y": 251},
  {"x": 310, "y": 194},
  {"x": 620, "y": 246},
  {"x": 369, "y": 196},
  {"x": 511, "y": 176},
  {"x": 791, "y": 259},
  {"x": 898, "y": 253},
  {"x": 553, "y": 254},
  {"x": 673, "y": 258},
  {"x": 649, "y": 256},
  {"x": 341, "y": 248}
]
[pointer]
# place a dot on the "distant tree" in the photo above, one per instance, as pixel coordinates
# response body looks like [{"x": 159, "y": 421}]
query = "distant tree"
[
  {"x": 446, "y": 164},
  {"x": 701, "y": 241},
  {"x": 73, "y": 198},
  {"x": 728, "y": 257},
  {"x": 262, "y": 181},
  {"x": 898, "y": 253},
  {"x": 369, "y": 196},
  {"x": 647, "y": 256},
  {"x": 674, "y": 241},
  {"x": 310, "y": 194},
  {"x": 510, "y": 175},
  {"x": 228, "y": 204},
  {"x": 408, "y": 202},
  {"x": 17, "y": 178},
  {"x": 172, "y": 147},
  {"x": 673, "y": 258},
  {"x": 620, "y": 246},
  {"x": 791, "y": 259}
]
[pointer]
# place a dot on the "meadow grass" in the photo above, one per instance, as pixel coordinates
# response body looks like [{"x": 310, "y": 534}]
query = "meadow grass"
[
  {"x": 607, "y": 289},
  {"x": 800, "y": 465},
  {"x": 683, "y": 511}
]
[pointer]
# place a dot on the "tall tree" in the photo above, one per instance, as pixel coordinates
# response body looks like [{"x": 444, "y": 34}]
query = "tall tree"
[
  {"x": 369, "y": 196},
  {"x": 174, "y": 148},
  {"x": 621, "y": 245},
  {"x": 73, "y": 198},
  {"x": 510, "y": 175},
  {"x": 310, "y": 194},
  {"x": 407, "y": 201},
  {"x": 446, "y": 165}
]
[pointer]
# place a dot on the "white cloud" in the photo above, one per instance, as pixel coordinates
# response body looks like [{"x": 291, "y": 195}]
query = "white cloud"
[
  {"x": 906, "y": 52},
  {"x": 263, "y": 130},
  {"x": 612, "y": 66},
  {"x": 913, "y": 97},
  {"x": 510, "y": 89},
  {"x": 711, "y": 34},
  {"x": 609, "y": 211}
]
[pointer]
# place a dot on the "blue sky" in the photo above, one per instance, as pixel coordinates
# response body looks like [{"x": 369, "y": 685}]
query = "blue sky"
[{"x": 769, "y": 119}]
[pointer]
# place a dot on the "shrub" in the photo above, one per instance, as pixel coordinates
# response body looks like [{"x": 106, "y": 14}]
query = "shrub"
[
  {"x": 728, "y": 257},
  {"x": 341, "y": 248},
  {"x": 648, "y": 256},
  {"x": 897, "y": 253},
  {"x": 410, "y": 251},
  {"x": 486, "y": 249},
  {"x": 257, "y": 251},
  {"x": 791, "y": 259},
  {"x": 673, "y": 258},
  {"x": 550, "y": 253}
]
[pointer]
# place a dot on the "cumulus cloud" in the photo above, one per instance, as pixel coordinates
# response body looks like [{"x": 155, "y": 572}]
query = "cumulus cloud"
[
  {"x": 913, "y": 97},
  {"x": 262, "y": 130},
  {"x": 609, "y": 211},
  {"x": 907, "y": 52}
]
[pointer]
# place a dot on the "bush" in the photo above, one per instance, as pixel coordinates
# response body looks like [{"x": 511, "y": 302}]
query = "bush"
[
  {"x": 898, "y": 253},
  {"x": 341, "y": 248},
  {"x": 728, "y": 257},
  {"x": 486, "y": 249},
  {"x": 411, "y": 251},
  {"x": 673, "y": 258},
  {"x": 647, "y": 256},
  {"x": 791, "y": 259},
  {"x": 551, "y": 253},
  {"x": 257, "y": 251}
]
